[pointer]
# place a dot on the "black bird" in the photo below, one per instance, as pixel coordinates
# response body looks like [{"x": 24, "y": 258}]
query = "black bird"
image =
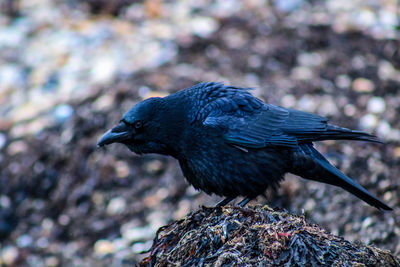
[{"x": 232, "y": 144}]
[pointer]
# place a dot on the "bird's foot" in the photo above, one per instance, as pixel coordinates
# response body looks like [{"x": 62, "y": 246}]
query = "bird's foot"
[
  {"x": 245, "y": 201},
  {"x": 224, "y": 202}
]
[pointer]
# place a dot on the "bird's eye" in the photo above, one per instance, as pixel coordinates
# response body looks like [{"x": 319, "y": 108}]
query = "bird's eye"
[{"x": 138, "y": 124}]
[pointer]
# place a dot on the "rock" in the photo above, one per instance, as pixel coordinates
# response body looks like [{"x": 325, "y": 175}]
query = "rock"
[
  {"x": 3, "y": 140},
  {"x": 307, "y": 103},
  {"x": 396, "y": 152},
  {"x": 154, "y": 166},
  {"x": 288, "y": 5},
  {"x": 17, "y": 147},
  {"x": 288, "y": 101},
  {"x": 103, "y": 247},
  {"x": 134, "y": 234},
  {"x": 122, "y": 169},
  {"x": 139, "y": 247},
  {"x": 24, "y": 241},
  {"x": 343, "y": 81},
  {"x": 368, "y": 122},
  {"x": 257, "y": 236},
  {"x": 376, "y": 105},
  {"x": 363, "y": 85},
  {"x": 8, "y": 255},
  {"x": 383, "y": 129},
  {"x": 309, "y": 59},
  {"x": 116, "y": 205},
  {"x": 52, "y": 261},
  {"x": 387, "y": 71},
  {"x": 62, "y": 113},
  {"x": 302, "y": 73},
  {"x": 204, "y": 26}
]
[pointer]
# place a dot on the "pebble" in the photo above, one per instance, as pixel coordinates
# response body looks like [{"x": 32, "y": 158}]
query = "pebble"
[
  {"x": 103, "y": 247},
  {"x": 154, "y": 166},
  {"x": 105, "y": 67},
  {"x": 288, "y": 101},
  {"x": 363, "y": 85},
  {"x": 310, "y": 205},
  {"x": 116, "y": 206},
  {"x": 235, "y": 38},
  {"x": 394, "y": 135},
  {"x": 11, "y": 77},
  {"x": 64, "y": 219},
  {"x": 43, "y": 242},
  {"x": 396, "y": 152},
  {"x": 104, "y": 102},
  {"x": 123, "y": 256},
  {"x": 5, "y": 201},
  {"x": 365, "y": 18},
  {"x": 24, "y": 241},
  {"x": 226, "y": 8},
  {"x": 307, "y": 103},
  {"x": 184, "y": 208},
  {"x": 47, "y": 224},
  {"x": 302, "y": 73},
  {"x": 52, "y": 261},
  {"x": 309, "y": 59},
  {"x": 122, "y": 169},
  {"x": 350, "y": 110},
  {"x": 376, "y": 105},
  {"x": 203, "y": 26},
  {"x": 343, "y": 81},
  {"x": 367, "y": 222},
  {"x": 17, "y": 147},
  {"x": 383, "y": 129},
  {"x": 139, "y": 247},
  {"x": 288, "y": 5},
  {"x": 3, "y": 140},
  {"x": 388, "y": 196},
  {"x": 9, "y": 255},
  {"x": 62, "y": 113},
  {"x": 387, "y": 71},
  {"x": 254, "y": 61},
  {"x": 137, "y": 233},
  {"x": 120, "y": 244},
  {"x": 368, "y": 122},
  {"x": 11, "y": 36},
  {"x": 327, "y": 107}
]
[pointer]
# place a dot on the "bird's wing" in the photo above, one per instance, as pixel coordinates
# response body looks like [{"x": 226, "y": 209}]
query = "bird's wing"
[
  {"x": 256, "y": 129},
  {"x": 277, "y": 126},
  {"x": 248, "y": 122}
]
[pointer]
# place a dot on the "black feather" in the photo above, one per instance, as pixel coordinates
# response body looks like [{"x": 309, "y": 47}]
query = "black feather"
[{"x": 230, "y": 143}]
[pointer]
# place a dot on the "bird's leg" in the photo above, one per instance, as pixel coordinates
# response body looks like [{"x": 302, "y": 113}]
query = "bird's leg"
[
  {"x": 245, "y": 201},
  {"x": 224, "y": 202}
]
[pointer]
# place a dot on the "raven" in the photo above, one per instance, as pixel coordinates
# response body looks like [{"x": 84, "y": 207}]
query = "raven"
[{"x": 232, "y": 144}]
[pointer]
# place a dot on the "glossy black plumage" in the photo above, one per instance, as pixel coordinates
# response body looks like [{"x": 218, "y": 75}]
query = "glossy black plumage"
[{"x": 232, "y": 144}]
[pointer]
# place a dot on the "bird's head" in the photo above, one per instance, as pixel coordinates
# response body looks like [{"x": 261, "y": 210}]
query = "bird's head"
[{"x": 142, "y": 129}]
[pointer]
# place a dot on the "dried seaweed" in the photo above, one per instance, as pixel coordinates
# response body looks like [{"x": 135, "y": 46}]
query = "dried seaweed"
[{"x": 256, "y": 236}]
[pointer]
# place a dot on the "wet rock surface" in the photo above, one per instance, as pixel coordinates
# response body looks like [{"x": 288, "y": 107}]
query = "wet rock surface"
[{"x": 68, "y": 75}]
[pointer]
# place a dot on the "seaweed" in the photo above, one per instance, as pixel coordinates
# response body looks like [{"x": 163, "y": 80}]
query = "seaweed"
[{"x": 257, "y": 235}]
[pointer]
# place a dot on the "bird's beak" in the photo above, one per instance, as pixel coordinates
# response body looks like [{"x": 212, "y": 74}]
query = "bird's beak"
[{"x": 117, "y": 134}]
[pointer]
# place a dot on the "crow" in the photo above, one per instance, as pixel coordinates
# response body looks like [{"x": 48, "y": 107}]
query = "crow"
[{"x": 232, "y": 144}]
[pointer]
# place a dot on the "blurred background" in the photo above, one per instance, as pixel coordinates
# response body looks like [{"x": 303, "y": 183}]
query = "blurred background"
[{"x": 69, "y": 69}]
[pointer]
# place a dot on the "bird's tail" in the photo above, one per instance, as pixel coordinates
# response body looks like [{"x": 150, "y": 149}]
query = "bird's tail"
[
  {"x": 310, "y": 164},
  {"x": 334, "y": 132}
]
